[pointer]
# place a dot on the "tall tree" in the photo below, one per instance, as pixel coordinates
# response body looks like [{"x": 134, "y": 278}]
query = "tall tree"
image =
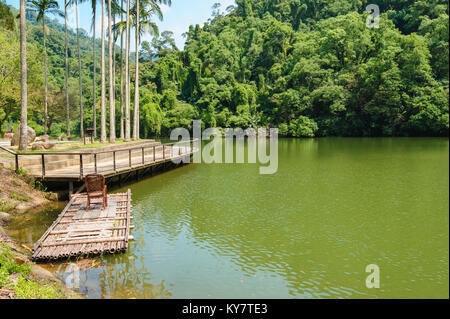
[
  {"x": 94, "y": 93},
  {"x": 23, "y": 80},
  {"x": 112, "y": 116},
  {"x": 66, "y": 69},
  {"x": 136, "y": 77},
  {"x": 79, "y": 73},
  {"x": 127, "y": 75},
  {"x": 41, "y": 8},
  {"x": 103, "y": 93},
  {"x": 121, "y": 72},
  {"x": 143, "y": 23}
]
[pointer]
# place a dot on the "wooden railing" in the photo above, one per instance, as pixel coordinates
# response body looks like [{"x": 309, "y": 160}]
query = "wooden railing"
[{"x": 183, "y": 148}]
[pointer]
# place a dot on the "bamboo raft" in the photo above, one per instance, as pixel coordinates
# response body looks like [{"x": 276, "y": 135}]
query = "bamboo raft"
[{"x": 77, "y": 233}]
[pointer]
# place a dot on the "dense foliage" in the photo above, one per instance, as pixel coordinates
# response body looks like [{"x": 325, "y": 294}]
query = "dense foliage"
[{"x": 308, "y": 67}]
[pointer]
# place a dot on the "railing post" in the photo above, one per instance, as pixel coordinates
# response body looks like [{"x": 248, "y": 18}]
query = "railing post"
[
  {"x": 154, "y": 149},
  {"x": 43, "y": 166},
  {"x": 81, "y": 166},
  {"x": 164, "y": 151},
  {"x": 114, "y": 160},
  {"x": 95, "y": 162},
  {"x": 17, "y": 163},
  {"x": 129, "y": 157}
]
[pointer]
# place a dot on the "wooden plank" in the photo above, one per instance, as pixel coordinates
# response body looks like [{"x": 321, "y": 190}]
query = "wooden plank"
[
  {"x": 86, "y": 241},
  {"x": 127, "y": 230},
  {"x": 55, "y": 223},
  {"x": 57, "y": 232}
]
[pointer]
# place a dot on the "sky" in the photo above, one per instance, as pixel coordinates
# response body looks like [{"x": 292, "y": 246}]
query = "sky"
[{"x": 177, "y": 18}]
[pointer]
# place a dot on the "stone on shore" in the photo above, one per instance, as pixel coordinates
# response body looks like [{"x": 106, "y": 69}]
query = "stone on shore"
[
  {"x": 4, "y": 218},
  {"x": 16, "y": 137},
  {"x": 42, "y": 145},
  {"x": 43, "y": 138}
]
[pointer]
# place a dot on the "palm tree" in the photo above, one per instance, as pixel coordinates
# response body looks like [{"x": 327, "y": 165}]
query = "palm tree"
[
  {"x": 112, "y": 116},
  {"x": 136, "y": 77},
  {"x": 67, "y": 70},
  {"x": 23, "y": 80},
  {"x": 79, "y": 74},
  {"x": 42, "y": 7},
  {"x": 143, "y": 23},
  {"x": 127, "y": 75},
  {"x": 94, "y": 110},
  {"x": 103, "y": 97},
  {"x": 71, "y": 3},
  {"x": 121, "y": 72}
]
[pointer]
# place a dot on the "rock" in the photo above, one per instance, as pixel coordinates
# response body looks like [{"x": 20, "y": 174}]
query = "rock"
[
  {"x": 42, "y": 138},
  {"x": 49, "y": 145},
  {"x": 42, "y": 146},
  {"x": 42, "y": 273},
  {"x": 16, "y": 137},
  {"x": 19, "y": 260},
  {"x": 2, "y": 233},
  {"x": 39, "y": 146},
  {"x": 4, "y": 218},
  {"x": 51, "y": 196},
  {"x": 8, "y": 136}
]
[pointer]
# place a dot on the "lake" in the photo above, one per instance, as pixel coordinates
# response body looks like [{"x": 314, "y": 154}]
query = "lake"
[{"x": 335, "y": 206}]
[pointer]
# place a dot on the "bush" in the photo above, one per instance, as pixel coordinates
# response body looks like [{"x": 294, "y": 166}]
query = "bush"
[{"x": 303, "y": 127}]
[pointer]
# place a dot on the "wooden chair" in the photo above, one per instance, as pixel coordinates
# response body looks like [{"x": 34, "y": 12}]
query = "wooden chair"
[{"x": 95, "y": 188}]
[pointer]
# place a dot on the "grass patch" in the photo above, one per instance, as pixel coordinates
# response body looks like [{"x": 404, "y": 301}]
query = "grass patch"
[
  {"x": 8, "y": 265},
  {"x": 29, "y": 289},
  {"x": 14, "y": 182},
  {"x": 24, "y": 287},
  {"x": 6, "y": 206},
  {"x": 19, "y": 197}
]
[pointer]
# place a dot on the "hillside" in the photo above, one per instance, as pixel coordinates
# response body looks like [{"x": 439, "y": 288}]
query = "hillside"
[
  {"x": 308, "y": 67},
  {"x": 311, "y": 68}
]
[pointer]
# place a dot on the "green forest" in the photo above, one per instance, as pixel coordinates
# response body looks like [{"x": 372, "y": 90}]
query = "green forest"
[{"x": 309, "y": 67}]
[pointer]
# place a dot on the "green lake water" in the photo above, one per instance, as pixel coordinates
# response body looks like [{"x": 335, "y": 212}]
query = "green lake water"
[{"x": 335, "y": 206}]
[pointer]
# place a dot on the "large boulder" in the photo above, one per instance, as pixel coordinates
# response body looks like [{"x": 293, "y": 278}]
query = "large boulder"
[
  {"x": 43, "y": 138},
  {"x": 16, "y": 138},
  {"x": 42, "y": 146}
]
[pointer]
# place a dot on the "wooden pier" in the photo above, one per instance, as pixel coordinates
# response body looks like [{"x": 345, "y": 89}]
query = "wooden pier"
[
  {"x": 74, "y": 166},
  {"x": 80, "y": 233}
]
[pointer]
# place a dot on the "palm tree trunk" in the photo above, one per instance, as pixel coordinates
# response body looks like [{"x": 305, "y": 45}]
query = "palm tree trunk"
[
  {"x": 67, "y": 71},
  {"x": 94, "y": 101},
  {"x": 103, "y": 101},
  {"x": 112, "y": 116},
  {"x": 136, "y": 79},
  {"x": 23, "y": 80},
  {"x": 79, "y": 75},
  {"x": 127, "y": 75},
  {"x": 121, "y": 75},
  {"x": 45, "y": 79}
]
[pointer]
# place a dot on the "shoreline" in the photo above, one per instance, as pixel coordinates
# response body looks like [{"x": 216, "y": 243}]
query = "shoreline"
[{"x": 19, "y": 276}]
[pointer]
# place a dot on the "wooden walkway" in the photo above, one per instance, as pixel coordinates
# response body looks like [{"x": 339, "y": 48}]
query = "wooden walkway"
[
  {"x": 74, "y": 166},
  {"x": 77, "y": 233}
]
